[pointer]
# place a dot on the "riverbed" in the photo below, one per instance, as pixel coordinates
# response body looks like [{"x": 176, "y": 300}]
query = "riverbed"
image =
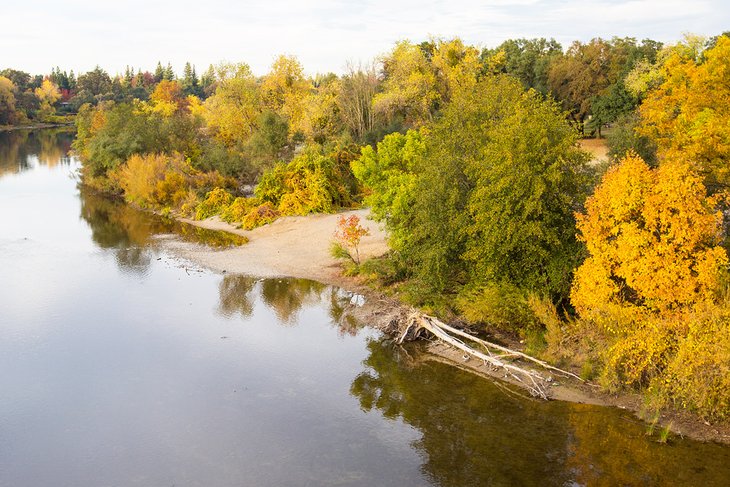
[{"x": 123, "y": 364}]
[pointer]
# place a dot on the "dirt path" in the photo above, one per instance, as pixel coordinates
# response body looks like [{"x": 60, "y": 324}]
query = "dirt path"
[{"x": 598, "y": 149}]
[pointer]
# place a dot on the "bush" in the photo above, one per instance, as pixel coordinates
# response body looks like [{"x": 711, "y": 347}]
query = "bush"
[
  {"x": 310, "y": 183},
  {"x": 238, "y": 209},
  {"x": 261, "y": 215},
  {"x": 138, "y": 178},
  {"x": 498, "y": 305},
  {"x": 213, "y": 204},
  {"x": 698, "y": 376}
]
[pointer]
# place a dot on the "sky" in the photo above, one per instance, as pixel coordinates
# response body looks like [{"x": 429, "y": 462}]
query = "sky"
[{"x": 323, "y": 34}]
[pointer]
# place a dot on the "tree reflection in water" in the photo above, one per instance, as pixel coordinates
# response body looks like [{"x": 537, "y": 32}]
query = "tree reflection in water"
[
  {"x": 286, "y": 297},
  {"x": 475, "y": 434},
  {"x": 20, "y": 148},
  {"x": 116, "y": 225}
]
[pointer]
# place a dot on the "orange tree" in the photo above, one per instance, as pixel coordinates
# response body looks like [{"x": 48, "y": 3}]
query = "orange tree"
[{"x": 654, "y": 268}]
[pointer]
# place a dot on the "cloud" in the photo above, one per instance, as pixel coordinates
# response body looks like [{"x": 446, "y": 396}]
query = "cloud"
[{"x": 324, "y": 34}]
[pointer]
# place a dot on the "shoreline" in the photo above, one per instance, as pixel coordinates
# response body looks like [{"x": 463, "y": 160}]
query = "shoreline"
[
  {"x": 36, "y": 126},
  {"x": 299, "y": 247}
]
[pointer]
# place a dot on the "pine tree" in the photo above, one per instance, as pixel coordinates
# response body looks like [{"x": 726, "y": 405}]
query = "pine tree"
[{"x": 159, "y": 72}]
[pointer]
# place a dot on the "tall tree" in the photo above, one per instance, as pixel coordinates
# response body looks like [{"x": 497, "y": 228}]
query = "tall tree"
[
  {"x": 357, "y": 90},
  {"x": 284, "y": 89},
  {"x": 8, "y": 113},
  {"x": 95, "y": 82},
  {"x": 528, "y": 60},
  {"x": 688, "y": 114}
]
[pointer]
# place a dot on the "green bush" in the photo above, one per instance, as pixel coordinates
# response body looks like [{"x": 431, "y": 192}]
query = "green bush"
[
  {"x": 213, "y": 204},
  {"x": 499, "y": 305}
]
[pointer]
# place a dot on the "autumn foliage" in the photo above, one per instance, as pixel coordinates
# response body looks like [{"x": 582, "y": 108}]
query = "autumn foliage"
[
  {"x": 648, "y": 295},
  {"x": 689, "y": 113},
  {"x": 349, "y": 232},
  {"x": 653, "y": 237}
]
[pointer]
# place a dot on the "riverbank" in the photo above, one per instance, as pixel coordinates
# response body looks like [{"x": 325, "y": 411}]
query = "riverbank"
[
  {"x": 299, "y": 247},
  {"x": 35, "y": 126}
]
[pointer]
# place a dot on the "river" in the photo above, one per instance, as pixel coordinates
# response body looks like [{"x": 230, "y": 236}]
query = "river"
[{"x": 123, "y": 365}]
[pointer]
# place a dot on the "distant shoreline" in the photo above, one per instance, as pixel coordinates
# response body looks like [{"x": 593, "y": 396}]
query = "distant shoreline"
[{"x": 35, "y": 126}]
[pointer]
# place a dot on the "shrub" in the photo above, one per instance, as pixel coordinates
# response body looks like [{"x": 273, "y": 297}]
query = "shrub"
[
  {"x": 498, "y": 305},
  {"x": 238, "y": 209},
  {"x": 261, "y": 215},
  {"x": 139, "y": 176},
  {"x": 310, "y": 183},
  {"x": 214, "y": 203},
  {"x": 348, "y": 234},
  {"x": 698, "y": 376}
]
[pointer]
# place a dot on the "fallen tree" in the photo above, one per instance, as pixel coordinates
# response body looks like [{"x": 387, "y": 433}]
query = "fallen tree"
[{"x": 494, "y": 355}]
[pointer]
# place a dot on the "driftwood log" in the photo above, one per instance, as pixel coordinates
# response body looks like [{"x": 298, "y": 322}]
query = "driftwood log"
[{"x": 493, "y": 355}]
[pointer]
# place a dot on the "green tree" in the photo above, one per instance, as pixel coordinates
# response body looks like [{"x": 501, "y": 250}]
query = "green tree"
[
  {"x": 390, "y": 172},
  {"x": 500, "y": 180},
  {"x": 190, "y": 83},
  {"x": 528, "y": 60},
  {"x": 624, "y": 139},
  {"x": 159, "y": 72},
  {"x": 95, "y": 82}
]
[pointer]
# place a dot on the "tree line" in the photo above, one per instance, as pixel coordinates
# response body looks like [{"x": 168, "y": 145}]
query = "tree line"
[{"x": 470, "y": 159}]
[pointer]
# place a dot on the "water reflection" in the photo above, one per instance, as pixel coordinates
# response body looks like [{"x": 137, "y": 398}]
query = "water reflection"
[
  {"x": 286, "y": 297},
  {"x": 20, "y": 149},
  {"x": 132, "y": 232},
  {"x": 475, "y": 434}
]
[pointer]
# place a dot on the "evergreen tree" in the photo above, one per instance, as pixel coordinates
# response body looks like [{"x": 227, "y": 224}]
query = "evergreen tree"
[
  {"x": 159, "y": 72},
  {"x": 169, "y": 73}
]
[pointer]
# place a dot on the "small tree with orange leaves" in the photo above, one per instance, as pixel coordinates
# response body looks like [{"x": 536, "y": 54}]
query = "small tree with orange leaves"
[{"x": 348, "y": 234}]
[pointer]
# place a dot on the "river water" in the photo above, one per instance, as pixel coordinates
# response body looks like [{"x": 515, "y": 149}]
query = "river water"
[{"x": 121, "y": 365}]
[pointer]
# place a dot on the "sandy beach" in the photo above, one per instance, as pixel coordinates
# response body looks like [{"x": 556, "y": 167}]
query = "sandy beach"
[{"x": 295, "y": 246}]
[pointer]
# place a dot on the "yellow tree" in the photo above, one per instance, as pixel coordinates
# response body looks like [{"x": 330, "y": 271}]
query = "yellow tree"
[
  {"x": 648, "y": 294},
  {"x": 654, "y": 241},
  {"x": 409, "y": 86},
  {"x": 231, "y": 112},
  {"x": 167, "y": 98},
  {"x": 456, "y": 67},
  {"x": 688, "y": 114},
  {"x": 48, "y": 94},
  {"x": 8, "y": 114},
  {"x": 284, "y": 90}
]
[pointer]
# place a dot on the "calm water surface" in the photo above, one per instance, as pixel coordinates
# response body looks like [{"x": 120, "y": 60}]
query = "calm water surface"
[{"x": 121, "y": 365}]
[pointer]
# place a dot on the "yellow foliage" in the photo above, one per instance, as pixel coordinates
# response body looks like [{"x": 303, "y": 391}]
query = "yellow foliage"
[
  {"x": 284, "y": 90},
  {"x": 647, "y": 294},
  {"x": 698, "y": 377},
  {"x": 167, "y": 98},
  {"x": 653, "y": 237},
  {"x": 688, "y": 114},
  {"x": 261, "y": 215},
  {"x": 47, "y": 94},
  {"x": 232, "y": 111},
  {"x": 215, "y": 202},
  {"x": 238, "y": 209},
  {"x": 163, "y": 181},
  {"x": 457, "y": 66},
  {"x": 139, "y": 176}
]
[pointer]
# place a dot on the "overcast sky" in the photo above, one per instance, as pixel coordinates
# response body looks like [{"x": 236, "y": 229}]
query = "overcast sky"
[{"x": 323, "y": 34}]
